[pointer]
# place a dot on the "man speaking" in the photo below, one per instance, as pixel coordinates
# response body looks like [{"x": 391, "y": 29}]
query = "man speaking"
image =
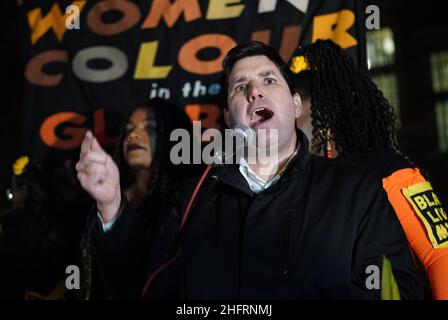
[{"x": 303, "y": 228}]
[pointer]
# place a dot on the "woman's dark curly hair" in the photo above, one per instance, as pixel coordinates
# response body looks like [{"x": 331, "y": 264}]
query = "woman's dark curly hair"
[
  {"x": 345, "y": 100},
  {"x": 164, "y": 173}
]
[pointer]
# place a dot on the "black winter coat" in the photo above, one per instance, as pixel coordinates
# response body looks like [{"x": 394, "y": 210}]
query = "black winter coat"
[{"x": 311, "y": 235}]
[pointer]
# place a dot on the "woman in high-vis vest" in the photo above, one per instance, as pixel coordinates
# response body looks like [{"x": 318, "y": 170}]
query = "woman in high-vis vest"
[{"x": 346, "y": 117}]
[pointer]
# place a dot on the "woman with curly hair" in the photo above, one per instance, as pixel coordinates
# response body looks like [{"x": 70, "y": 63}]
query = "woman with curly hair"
[
  {"x": 148, "y": 176},
  {"x": 347, "y": 117},
  {"x": 148, "y": 179}
]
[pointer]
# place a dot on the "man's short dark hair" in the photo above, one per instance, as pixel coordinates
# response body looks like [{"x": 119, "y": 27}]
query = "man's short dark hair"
[{"x": 250, "y": 49}]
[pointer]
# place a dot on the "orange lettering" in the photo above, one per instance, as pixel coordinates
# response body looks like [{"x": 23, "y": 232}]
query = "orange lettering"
[
  {"x": 171, "y": 12},
  {"x": 100, "y": 129},
  {"x": 131, "y": 15},
  {"x": 190, "y": 62},
  {"x": 72, "y": 136},
  {"x": 34, "y": 73},
  {"x": 207, "y": 113}
]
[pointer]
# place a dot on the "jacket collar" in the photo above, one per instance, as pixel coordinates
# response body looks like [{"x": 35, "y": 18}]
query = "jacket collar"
[{"x": 230, "y": 174}]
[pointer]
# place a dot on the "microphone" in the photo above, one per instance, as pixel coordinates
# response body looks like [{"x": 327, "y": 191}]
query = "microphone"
[
  {"x": 244, "y": 136},
  {"x": 244, "y": 133}
]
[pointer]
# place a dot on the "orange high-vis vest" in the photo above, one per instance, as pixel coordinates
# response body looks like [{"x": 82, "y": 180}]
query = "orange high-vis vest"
[{"x": 425, "y": 224}]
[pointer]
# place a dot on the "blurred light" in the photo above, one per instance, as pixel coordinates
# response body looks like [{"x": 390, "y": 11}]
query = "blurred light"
[
  {"x": 388, "y": 45},
  {"x": 9, "y": 194},
  {"x": 369, "y": 64}
]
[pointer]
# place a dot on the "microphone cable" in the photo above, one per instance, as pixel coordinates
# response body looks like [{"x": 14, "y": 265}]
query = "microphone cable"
[
  {"x": 240, "y": 131},
  {"x": 184, "y": 219}
]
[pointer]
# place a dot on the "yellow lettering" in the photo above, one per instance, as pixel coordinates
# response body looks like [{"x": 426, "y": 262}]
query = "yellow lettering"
[
  {"x": 432, "y": 217},
  {"x": 429, "y": 202},
  {"x": 441, "y": 214},
  {"x": 436, "y": 200},
  {"x": 54, "y": 19},
  {"x": 335, "y": 26},
  {"x": 420, "y": 201},
  {"x": 442, "y": 232},
  {"x": 145, "y": 68},
  {"x": 220, "y": 9}
]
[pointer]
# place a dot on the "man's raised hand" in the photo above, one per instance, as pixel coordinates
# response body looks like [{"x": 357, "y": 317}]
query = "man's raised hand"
[{"x": 99, "y": 176}]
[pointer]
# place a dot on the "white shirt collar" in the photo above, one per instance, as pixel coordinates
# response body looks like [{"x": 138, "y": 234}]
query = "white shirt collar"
[{"x": 255, "y": 182}]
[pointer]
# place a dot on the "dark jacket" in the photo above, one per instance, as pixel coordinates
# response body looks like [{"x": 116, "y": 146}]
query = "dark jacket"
[{"x": 311, "y": 235}]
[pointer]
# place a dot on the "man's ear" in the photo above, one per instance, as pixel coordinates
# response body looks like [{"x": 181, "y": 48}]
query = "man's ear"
[
  {"x": 298, "y": 106},
  {"x": 227, "y": 117}
]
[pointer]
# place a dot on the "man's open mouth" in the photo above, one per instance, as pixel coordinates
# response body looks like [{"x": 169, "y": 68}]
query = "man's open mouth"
[{"x": 260, "y": 115}]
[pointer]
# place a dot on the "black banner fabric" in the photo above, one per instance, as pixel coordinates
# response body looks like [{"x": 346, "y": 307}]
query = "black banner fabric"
[{"x": 87, "y": 63}]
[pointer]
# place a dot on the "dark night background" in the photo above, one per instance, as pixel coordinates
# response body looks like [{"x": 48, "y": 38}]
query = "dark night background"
[{"x": 418, "y": 32}]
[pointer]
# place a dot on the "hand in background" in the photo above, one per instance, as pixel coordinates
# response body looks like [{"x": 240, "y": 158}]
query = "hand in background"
[{"x": 99, "y": 176}]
